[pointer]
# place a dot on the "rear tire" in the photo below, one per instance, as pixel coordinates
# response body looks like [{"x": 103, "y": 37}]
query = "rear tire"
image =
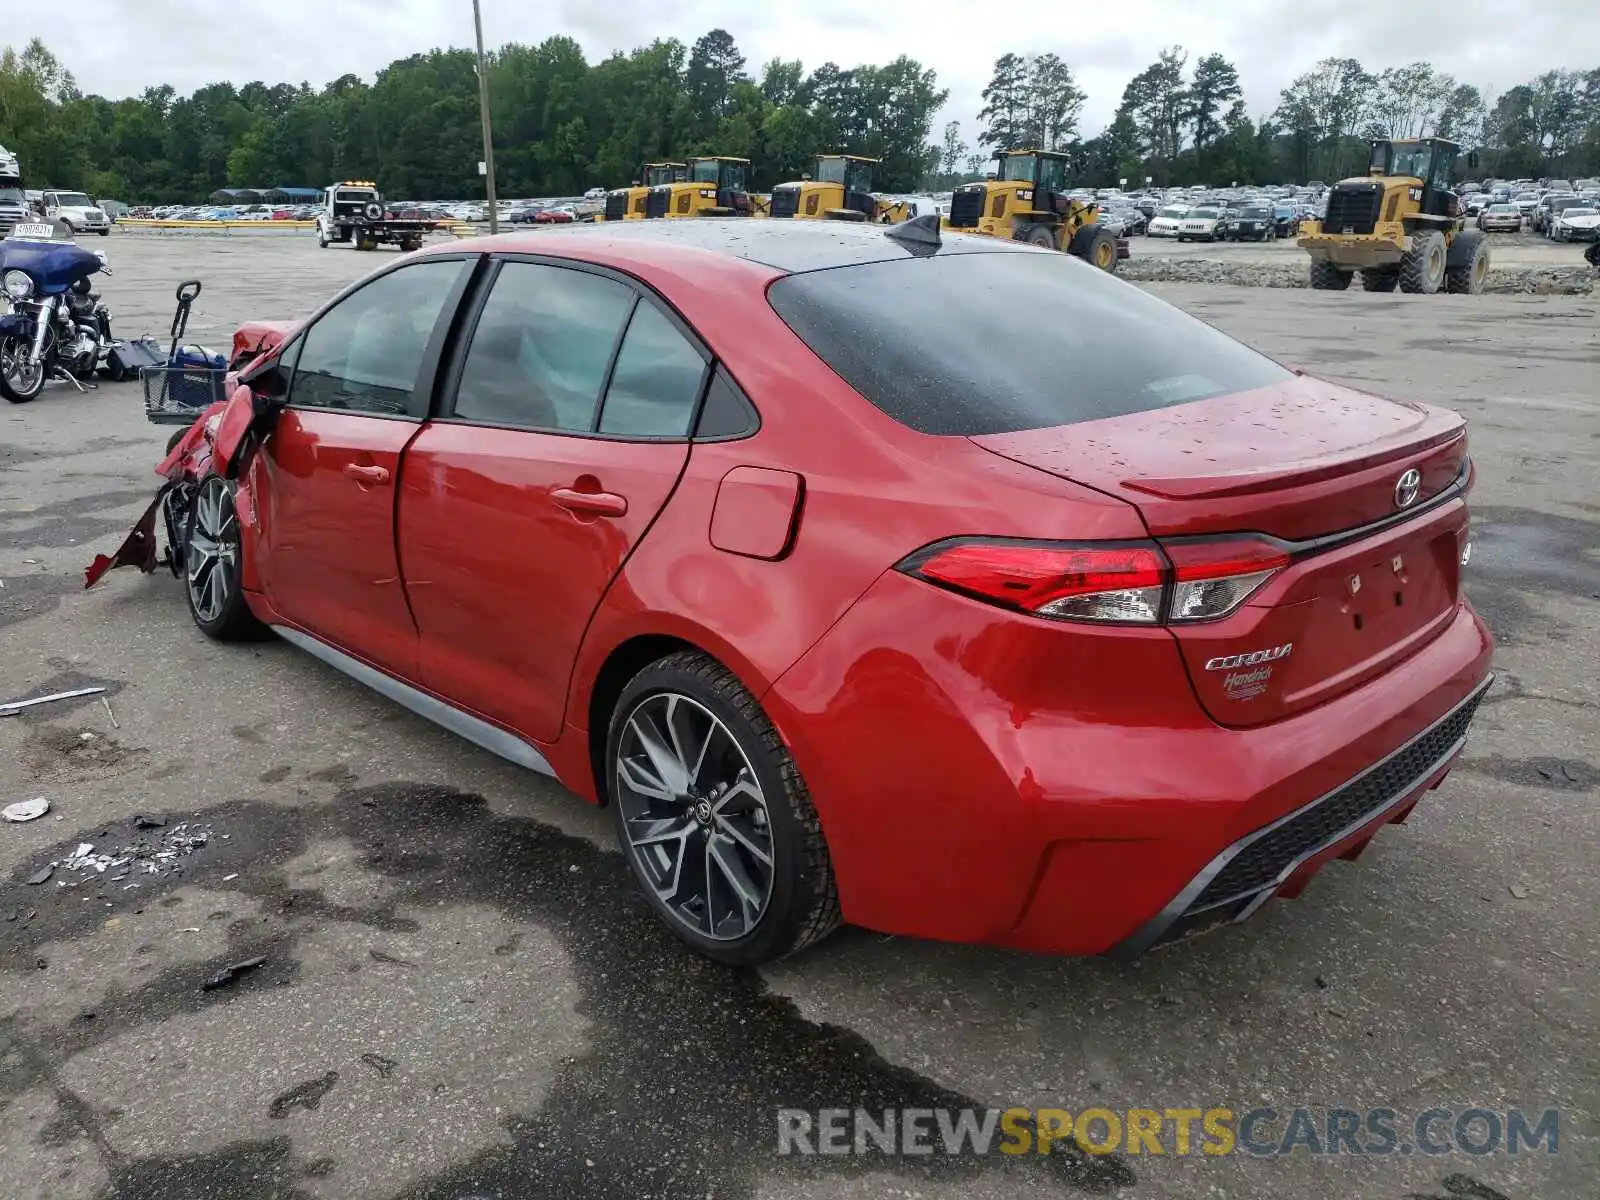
[
  {"x": 1422, "y": 267},
  {"x": 1096, "y": 246},
  {"x": 1380, "y": 279},
  {"x": 1038, "y": 235},
  {"x": 213, "y": 566},
  {"x": 718, "y": 744},
  {"x": 1325, "y": 277}
]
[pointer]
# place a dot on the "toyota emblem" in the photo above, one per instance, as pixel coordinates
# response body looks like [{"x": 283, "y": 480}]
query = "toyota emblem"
[{"x": 1407, "y": 487}]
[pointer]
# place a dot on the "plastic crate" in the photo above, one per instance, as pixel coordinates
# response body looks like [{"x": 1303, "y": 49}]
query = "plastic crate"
[{"x": 177, "y": 395}]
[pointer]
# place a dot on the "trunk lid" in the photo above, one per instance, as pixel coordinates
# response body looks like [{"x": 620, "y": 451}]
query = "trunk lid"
[{"x": 1308, "y": 464}]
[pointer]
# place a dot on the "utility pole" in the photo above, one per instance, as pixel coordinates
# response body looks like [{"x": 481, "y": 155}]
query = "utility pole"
[{"x": 488, "y": 132}]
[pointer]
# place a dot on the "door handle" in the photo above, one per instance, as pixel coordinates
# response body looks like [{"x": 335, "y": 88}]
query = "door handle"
[
  {"x": 603, "y": 504},
  {"x": 363, "y": 474}
]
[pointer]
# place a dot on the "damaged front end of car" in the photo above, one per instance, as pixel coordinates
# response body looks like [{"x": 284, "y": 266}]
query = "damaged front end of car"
[{"x": 222, "y": 441}]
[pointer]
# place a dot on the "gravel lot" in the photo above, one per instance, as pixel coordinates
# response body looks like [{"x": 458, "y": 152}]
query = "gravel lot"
[
  {"x": 462, "y": 997},
  {"x": 1518, "y": 263}
]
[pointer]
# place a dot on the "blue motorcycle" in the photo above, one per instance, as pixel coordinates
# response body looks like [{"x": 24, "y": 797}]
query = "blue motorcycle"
[{"x": 52, "y": 325}]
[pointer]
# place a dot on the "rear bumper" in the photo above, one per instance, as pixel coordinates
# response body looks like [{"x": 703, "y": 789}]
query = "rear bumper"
[
  {"x": 986, "y": 777},
  {"x": 1234, "y": 885}
]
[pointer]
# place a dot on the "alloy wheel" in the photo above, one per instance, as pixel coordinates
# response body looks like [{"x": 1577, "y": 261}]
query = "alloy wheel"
[
  {"x": 212, "y": 559},
  {"x": 695, "y": 816}
]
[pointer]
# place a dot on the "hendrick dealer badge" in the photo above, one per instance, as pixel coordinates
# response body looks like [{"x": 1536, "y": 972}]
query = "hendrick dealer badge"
[{"x": 1248, "y": 673}]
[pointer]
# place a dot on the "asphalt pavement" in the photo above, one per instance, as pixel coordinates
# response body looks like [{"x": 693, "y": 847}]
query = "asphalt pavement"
[{"x": 460, "y": 995}]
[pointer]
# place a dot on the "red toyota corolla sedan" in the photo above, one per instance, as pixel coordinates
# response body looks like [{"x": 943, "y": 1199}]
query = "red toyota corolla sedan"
[{"x": 950, "y": 589}]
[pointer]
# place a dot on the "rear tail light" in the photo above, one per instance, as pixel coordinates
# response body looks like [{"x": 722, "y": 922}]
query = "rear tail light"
[
  {"x": 1212, "y": 578},
  {"x": 1131, "y": 583}
]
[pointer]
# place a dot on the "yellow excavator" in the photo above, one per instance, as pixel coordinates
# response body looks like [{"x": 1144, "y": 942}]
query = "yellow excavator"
[
  {"x": 839, "y": 189},
  {"x": 627, "y": 204},
  {"x": 1026, "y": 199},
  {"x": 1398, "y": 226},
  {"x": 715, "y": 187}
]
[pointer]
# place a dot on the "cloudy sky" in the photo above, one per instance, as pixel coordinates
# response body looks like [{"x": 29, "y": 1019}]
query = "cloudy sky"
[{"x": 118, "y": 47}]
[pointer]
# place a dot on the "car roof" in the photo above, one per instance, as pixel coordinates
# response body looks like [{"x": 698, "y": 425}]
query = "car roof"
[{"x": 786, "y": 246}]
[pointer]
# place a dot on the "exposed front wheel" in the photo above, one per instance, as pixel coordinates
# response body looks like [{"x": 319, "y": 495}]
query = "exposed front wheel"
[
  {"x": 213, "y": 565},
  {"x": 713, "y": 815},
  {"x": 19, "y": 382}
]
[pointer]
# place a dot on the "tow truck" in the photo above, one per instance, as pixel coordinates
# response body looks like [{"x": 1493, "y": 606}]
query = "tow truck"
[{"x": 353, "y": 211}]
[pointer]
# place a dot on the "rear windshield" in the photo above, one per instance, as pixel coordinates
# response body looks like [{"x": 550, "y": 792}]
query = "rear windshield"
[{"x": 975, "y": 343}]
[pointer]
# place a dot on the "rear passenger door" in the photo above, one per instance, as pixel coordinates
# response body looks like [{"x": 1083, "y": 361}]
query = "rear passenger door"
[{"x": 564, "y": 430}]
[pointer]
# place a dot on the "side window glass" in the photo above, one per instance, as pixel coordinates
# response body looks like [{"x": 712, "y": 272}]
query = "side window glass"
[
  {"x": 365, "y": 353},
  {"x": 656, "y": 382},
  {"x": 539, "y": 355},
  {"x": 726, "y": 413}
]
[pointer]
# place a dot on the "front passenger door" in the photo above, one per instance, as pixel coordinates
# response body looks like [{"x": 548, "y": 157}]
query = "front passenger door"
[{"x": 362, "y": 381}]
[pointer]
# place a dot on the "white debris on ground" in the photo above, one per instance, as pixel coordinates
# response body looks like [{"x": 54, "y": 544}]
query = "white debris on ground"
[
  {"x": 153, "y": 854},
  {"x": 27, "y": 810}
]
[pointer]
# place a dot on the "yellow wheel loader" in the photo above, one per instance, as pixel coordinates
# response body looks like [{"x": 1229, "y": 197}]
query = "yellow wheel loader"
[
  {"x": 715, "y": 188},
  {"x": 839, "y": 189},
  {"x": 1398, "y": 226},
  {"x": 628, "y": 204},
  {"x": 1026, "y": 199}
]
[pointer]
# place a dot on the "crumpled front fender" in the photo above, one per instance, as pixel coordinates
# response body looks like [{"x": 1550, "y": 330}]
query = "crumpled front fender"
[{"x": 185, "y": 464}]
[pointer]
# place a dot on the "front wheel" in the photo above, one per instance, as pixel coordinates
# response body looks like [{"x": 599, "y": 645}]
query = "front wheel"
[
  {"x": 19, "y": 382},
  {"x": 714, "y": 817},
  {"x": 213, "y": 566}
]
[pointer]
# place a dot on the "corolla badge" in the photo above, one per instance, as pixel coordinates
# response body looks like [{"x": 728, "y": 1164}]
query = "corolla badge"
[
  {"x": 1407, "y": 488},
  {"x": 1250, "y": 658}
]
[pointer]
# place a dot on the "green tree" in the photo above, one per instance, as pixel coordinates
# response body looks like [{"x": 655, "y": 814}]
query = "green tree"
[
  {"x": 1054, "y": 101},
  {"x": 1212, "y": 94},
  {"x": 715, "y": 66},
  {"x": 1158, "y": 103},
  {"x": 1005, "y": 108},
  {"x": 780, "y": 81}
]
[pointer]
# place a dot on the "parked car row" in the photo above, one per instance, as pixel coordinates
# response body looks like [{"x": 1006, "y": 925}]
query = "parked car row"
[
  {"x": 1230, "y": 218},
  {"x": 223, "y": 212}
]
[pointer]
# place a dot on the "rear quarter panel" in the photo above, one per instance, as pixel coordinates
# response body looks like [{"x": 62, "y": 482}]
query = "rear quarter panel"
[{"x": 873, "y": 492}]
